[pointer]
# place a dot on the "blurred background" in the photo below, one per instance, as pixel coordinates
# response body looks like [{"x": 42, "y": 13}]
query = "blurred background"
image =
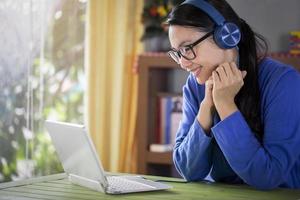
[
  {"x": 41, "y": 76},
  {"x": 88, "y": 62}
]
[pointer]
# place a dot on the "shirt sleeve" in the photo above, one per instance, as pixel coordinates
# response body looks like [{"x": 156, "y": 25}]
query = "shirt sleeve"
[
  {"x": 266, "y": 165},
  {"x": 192, "y": 150}
]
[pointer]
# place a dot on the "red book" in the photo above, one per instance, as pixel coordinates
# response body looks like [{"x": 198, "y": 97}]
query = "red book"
[{"x": 294, "y": 39}]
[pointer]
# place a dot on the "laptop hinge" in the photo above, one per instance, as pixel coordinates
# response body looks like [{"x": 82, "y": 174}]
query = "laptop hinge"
[{"x": 85, "y": 182}]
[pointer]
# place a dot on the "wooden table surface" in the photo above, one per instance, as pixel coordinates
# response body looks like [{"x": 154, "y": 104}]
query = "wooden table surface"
[{"x": 57, "y": 187}]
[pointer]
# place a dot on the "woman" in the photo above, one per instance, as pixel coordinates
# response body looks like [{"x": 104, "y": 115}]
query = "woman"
[{"x": 241, "y": 110}]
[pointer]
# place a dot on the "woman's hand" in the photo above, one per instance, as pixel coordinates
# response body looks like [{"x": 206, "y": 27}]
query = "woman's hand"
[{"x": 227, "y": 82}]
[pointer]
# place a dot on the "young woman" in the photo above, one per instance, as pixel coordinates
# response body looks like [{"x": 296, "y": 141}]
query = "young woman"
[{"x": 241, "y": 109}]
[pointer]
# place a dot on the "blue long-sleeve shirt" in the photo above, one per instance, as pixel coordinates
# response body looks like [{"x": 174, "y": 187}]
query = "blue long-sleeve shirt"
[{"x": 233, "y": 154}]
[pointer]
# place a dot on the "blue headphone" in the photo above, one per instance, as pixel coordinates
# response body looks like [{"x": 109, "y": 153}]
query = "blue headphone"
[{"x": 227, "y": 35}]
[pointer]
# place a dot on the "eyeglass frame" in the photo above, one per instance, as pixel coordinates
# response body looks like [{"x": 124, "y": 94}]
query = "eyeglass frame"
[{"x": 178, "y": 53}]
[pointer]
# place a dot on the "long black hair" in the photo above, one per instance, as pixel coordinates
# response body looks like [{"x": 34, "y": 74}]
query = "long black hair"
[{"x": 252, "y": 49}]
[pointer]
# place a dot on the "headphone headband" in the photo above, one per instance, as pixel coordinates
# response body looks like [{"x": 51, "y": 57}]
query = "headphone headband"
[
  {"x": 227, "y": 35},
  {"x": 208, "y": 9}
]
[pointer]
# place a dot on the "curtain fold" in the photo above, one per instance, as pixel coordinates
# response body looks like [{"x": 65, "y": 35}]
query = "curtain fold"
[{"x": 113, "y": 33}]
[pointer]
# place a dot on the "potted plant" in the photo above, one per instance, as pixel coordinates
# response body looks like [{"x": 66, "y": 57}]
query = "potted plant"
[{"x": 155, "y": 13}]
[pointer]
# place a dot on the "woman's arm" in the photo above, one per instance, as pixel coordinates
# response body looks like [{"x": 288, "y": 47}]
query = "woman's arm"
[
  {"x": 192, "y": 151},
  {"x": 266, "y": 165},
  {"x": 207, "y": 108}
]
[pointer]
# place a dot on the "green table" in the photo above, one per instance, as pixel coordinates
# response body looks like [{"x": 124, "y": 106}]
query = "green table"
[{"x": 56, "y": 187}]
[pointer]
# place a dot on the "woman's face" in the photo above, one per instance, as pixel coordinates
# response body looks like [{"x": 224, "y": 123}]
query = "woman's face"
[{"x": 208, "y": 55}]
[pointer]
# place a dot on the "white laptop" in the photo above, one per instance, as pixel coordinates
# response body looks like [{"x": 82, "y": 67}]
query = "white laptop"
[{"x": 82, "y": 164}]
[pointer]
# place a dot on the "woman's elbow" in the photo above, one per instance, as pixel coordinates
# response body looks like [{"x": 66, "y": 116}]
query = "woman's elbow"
[
  {"x": 267, "y": 184},
  {"x": 260, "y": 186},
  {"x": 187, "y": 171}
]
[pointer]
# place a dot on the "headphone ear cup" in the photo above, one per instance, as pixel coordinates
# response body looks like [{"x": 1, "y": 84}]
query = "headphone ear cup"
[{"x": 227, "y": 36}]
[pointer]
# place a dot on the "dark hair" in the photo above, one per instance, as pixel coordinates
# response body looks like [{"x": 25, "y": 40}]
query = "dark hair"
[{"x": 252, "y": 49}]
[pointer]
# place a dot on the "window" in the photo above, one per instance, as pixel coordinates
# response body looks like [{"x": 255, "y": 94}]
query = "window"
[{"x": 41, "y": 77}]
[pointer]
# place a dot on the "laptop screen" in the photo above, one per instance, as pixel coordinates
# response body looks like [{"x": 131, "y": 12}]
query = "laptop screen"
[{"x": 76, "y": 150}]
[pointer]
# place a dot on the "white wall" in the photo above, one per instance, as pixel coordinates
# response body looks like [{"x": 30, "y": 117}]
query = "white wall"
[{"x": 271, "y": 18}]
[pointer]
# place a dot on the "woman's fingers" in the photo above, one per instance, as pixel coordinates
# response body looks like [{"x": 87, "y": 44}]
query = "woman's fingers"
[
  {"x": 228, "y": 69},
  {"x": 221, "y": 72},
  {"x": 228, "y": 73},
  {"x": 244, "y": 73},
  {"x": 235, "y": 70},
  {"x": 209, "y": 83},
  {"x": 216, "y": 78}
]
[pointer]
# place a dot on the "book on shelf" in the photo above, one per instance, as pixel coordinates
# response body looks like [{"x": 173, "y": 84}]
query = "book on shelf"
[
  {"x": 169, "y": 114},
  {"x": 295, "y": 33},
  {"x": 161, "y": 147},
  {"x": 294, "y": 43}
]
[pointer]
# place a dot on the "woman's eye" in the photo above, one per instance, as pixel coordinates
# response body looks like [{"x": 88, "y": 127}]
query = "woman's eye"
[{"x": 185, "y": 50}]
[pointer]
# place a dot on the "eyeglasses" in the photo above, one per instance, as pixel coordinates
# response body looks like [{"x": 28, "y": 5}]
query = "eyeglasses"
[{"x": 187, "y": 51}]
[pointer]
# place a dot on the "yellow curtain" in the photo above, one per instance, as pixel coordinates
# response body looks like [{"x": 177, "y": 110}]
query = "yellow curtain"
[{"x": 113, "y": 33}]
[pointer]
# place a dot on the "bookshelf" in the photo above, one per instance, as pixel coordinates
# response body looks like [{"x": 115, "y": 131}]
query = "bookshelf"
[{"x": 154, "y": 70}]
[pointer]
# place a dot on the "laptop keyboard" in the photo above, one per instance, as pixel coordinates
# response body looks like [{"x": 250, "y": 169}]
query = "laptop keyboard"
[{"x": 121, "y": 184}]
